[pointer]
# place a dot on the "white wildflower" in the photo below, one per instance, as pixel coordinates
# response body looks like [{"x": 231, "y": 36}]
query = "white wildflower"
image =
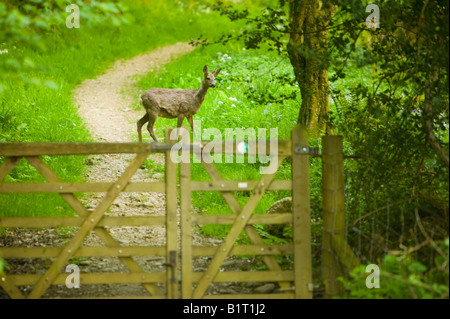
[
  {"x": 233, "y": 99},
  {"x": 3, "y": 51},
  {"x": 233, "y": 105},
  {"x": 220, "y": 102}
]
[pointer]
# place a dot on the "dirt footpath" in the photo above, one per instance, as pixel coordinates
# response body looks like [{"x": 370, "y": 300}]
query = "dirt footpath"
[{"x": 104, "y": 104}]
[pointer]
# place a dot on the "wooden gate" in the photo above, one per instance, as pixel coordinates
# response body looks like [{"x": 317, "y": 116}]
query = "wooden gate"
[
  {"x": 157, "y": 284},
  {"x": 294, "y": 283}
]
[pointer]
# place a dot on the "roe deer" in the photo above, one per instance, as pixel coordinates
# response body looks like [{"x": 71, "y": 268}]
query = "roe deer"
[{"x": 174, "y": 103}]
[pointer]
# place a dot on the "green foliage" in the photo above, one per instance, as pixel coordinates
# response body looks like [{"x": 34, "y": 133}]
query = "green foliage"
[
  {"x": 265, "y": 27},
  {"x": 28, "y": 23},
  {"x": 382, "y": 99},
  {"x": 403, "y": 277}
]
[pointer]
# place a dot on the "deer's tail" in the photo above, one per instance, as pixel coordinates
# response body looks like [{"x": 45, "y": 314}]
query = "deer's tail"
[{"x": 140, "y": 99}]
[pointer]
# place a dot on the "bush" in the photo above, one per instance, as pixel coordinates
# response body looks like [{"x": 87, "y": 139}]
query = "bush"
[{"x": 403, "y": 277}]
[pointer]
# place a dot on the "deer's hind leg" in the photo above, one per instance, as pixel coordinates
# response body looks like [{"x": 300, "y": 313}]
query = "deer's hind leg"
[
  {"x": 140, "y": 123},
  {"x": 151, "y": 120}
]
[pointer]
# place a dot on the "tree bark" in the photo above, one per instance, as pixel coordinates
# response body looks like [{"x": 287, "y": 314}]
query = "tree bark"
[{"x": 308, "y": 42}]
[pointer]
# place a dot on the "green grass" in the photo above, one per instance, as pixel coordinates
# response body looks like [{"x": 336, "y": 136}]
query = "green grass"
[
  {"x": 255, "y": 89},
  {"x": 36, "y": 104}
]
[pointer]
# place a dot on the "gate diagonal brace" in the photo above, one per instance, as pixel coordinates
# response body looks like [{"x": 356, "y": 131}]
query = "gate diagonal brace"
[
  {"x": 79, "y": 208},
  {"x": 236, "y": 208},
  {"x": 11, "y": 288},
  {"x": 88, "y": 225},
  {"x": 8, "y": 166},
  {"x": 241, "y": 221}
]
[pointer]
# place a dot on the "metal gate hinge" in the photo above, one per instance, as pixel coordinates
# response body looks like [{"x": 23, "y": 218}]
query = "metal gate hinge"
[{"x": 306, "y": 150}]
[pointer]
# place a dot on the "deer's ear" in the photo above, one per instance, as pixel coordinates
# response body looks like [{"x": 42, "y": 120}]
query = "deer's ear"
[
  {"x": 205, "y": 69},
  {"x": 216, "y": 72}
]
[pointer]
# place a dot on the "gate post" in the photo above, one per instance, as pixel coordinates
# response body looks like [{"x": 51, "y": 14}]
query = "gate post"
[
  {"x": 171, "y": 222},
  {"x": 333, "y": 212},
  {"x": 301, "y": 215},
  {"x": 186, "y": 226}
]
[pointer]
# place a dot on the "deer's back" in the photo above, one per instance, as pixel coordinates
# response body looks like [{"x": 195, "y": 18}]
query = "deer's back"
[{"x": 170, "y": 102}]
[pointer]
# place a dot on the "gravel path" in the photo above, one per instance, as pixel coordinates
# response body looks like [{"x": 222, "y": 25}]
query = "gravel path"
[{"x": 104, "y": 104}]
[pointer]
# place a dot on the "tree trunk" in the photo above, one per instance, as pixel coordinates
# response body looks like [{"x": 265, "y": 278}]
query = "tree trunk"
[
  {"x": 308, "y": 42},
  {"x": 427, "y": 118}
]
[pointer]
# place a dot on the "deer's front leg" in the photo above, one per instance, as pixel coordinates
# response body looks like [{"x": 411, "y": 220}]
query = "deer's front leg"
[{"x": 191, "y": 122}]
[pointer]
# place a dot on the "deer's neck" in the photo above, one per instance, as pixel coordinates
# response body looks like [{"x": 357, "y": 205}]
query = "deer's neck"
[{"x": 201, "y": 92}]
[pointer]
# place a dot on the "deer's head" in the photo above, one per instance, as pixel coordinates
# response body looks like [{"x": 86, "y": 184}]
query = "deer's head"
[{"x": 210, "y": 78}]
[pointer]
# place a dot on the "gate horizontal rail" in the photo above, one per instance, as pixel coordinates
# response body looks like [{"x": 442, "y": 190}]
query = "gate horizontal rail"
[
  {"x": 133, "y": 187},
  {"x": 101, "y": 251},
  {"x": 144, "y": 277},
  {"x": 38, "y": 149},
  {"x": 110, "y": 221},
  {"x": 52, "y": 187},
  {"x": 120, "y": 221},
  {"x": 128, "y": 251}
]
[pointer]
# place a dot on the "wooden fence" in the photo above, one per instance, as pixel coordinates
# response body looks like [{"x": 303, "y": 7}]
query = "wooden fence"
[{"x": 179, "y": 279}]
